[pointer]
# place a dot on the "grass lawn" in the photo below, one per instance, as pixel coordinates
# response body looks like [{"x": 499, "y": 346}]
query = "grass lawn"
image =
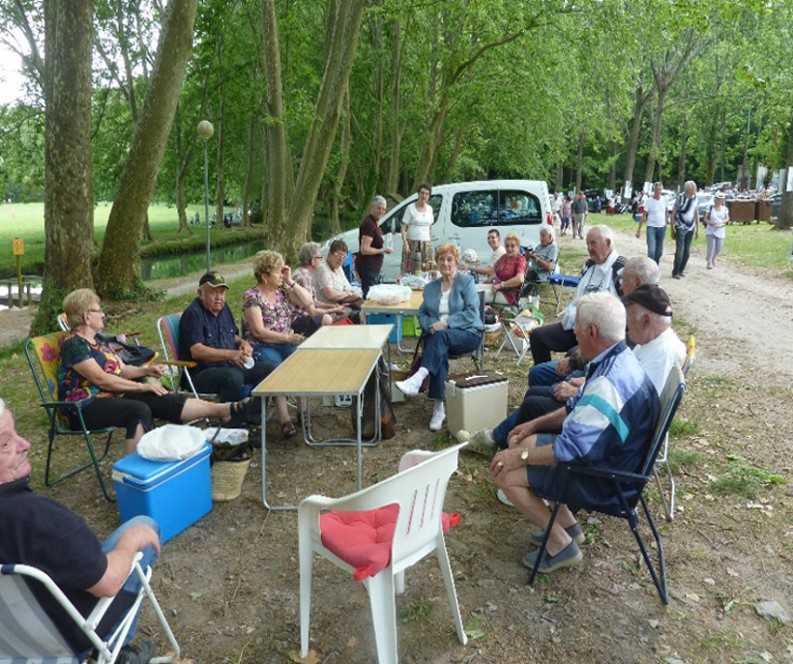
[
  {"x": 754, "y": 245},
  {"x": 26, "y": 220}
]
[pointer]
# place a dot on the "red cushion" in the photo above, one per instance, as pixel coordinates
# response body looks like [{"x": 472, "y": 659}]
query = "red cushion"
[{"x": 363, "y": 539}]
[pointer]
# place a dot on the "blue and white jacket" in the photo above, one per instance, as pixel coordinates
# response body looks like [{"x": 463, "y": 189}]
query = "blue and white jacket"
[{"x": 611, "y": 419}]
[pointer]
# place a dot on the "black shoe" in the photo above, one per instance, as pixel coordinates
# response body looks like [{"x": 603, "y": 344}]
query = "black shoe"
[{"x": 140, "y": 653}]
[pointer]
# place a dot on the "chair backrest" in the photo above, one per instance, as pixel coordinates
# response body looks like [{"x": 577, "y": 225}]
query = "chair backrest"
[
  {"x": 168, "y": 329},
  {"x": 44, "y": 357},
  {"x": 670, "y": 399},
  {"x": 419, "y": 489},
  {"x": 691, "y": 354},
  {"x": 63, "y": 324},
  {"x": 26, "y": 631}
]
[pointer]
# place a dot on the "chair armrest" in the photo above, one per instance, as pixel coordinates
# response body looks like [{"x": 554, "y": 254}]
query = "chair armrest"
[
  {"x": 606, "y": 473},
  {"x": 179, "y": 363},
  {"x": 77, "y": 405}
]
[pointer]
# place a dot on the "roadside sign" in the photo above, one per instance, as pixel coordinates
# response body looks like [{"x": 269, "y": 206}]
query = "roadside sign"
[{"x": 18, "y": 247}]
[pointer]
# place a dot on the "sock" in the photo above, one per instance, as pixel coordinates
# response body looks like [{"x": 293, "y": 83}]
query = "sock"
[{"x": 420, "y": 375}]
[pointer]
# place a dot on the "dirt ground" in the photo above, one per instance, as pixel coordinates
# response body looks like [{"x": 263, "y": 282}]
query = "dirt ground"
[{"x": 230, "y": 583}]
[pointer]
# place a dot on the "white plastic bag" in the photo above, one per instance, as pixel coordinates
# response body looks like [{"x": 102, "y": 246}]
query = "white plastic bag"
[
  {"x": 171, "y": 442},
  {"x": 388, "y": 294},
  {"x": 229, "y": 437}
]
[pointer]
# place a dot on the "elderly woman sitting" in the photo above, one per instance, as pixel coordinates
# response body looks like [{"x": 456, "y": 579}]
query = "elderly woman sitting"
[
  {"x": 451, "y": 324},
  {"x": 310, "y": 258},
  {"x": 508, "y": 272},
  {"x": 331, "y": 283},
  {"x": 112, "y": 396},
  {"x": 272, "y": 319}
]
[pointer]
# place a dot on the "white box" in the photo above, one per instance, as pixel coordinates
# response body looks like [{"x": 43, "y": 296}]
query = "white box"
[{"x": 476, "y": 402}]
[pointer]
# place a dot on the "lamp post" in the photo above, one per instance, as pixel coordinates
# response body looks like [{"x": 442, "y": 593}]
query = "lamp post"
[{"x": 205, "y": 131}]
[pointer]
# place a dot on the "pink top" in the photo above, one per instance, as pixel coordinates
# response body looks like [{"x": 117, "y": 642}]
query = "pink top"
[
  {"x": 507, "y": 267},
  {"x": 276, "y": 316}
]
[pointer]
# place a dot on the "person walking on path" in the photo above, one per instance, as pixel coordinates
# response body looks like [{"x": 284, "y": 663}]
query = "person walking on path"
[
  {"x": 655, "y": 218},
  {"x": 716, "y": 228},
  {"x": 580, "y": 210},
  {"x": 686, "y": 228}
]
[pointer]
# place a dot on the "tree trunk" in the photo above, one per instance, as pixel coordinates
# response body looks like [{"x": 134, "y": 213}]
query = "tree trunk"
[
  {"x": 655, "y": 144},
  {"x": 640, "y": 100},
  {"x": 326, "y": 120},
  {"x": 145, "y": 233},
  {"x": 579, "y": 164},
  {"x": 220, "y": 189},
  {"x": 68, "y": 201},
  {"x": 614, "y": 152},
  {"x": 392, "y": 168},
  {"x": 378, "y": 91},
  {"x": 345, "y": 143},
  {"x": 559, "y": 181},
  {"x": 431, "y": 144},
  {"x": 683, "y": 156},
  {"x": 118, "y": 263},
  {"x": 278, "y": 172},
  {"x": 785, "y": 220},
  {"x": 181, "y": 167},
  {"x": 253, "y": 148}
]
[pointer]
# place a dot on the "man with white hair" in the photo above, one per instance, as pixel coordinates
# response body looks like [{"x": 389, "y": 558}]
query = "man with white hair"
[
  {"x": 608, "y": 423},
  {"x": 686, "y": 223},
  {"x": 541, "y": 262},
  {"x": 601, "y": 273},
  {"x": 37, "y": 531}
]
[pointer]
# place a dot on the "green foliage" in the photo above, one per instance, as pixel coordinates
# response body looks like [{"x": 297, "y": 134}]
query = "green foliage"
[
  {"x": 682, "y": 428},
  {"x": 744, "y": 479}
]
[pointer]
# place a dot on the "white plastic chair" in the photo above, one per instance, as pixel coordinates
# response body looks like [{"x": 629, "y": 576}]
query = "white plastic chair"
[
  {"x": 28, "y": 635},
  {"x": 419, "y": 489}
]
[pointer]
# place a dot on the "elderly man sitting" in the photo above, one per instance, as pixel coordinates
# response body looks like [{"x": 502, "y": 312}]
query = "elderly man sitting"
[
  {"x": 601, "y": 273},
  {"x": 608, "y": 423},
  {"x": 541, "y": 262},
  {"x": 37, "y": 531},
  {"x": 209, "y": 336}
]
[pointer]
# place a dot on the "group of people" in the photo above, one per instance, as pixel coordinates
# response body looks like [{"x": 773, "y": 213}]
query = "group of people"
[{"x": 572, "y": 211}]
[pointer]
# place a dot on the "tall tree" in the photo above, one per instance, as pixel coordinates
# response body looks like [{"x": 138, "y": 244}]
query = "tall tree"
[
  {"x": 118, "y": 263},
  {"x": 68, "y": 202}
]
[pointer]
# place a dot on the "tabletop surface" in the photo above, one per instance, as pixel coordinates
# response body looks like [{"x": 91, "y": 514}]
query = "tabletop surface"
[
  {"x": 348, "y": 337},
  {"x": 319, "y": 372},
  {"x": 409, "y": 306}
]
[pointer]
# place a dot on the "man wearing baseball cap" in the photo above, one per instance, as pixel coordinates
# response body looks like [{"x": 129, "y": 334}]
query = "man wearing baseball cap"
[
  {"x": 209, "y": 336},
  {"x": 657, "y": 348}
]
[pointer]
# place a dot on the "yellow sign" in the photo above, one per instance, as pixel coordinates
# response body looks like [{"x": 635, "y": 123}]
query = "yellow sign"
[{"x": 18, "y": 247}]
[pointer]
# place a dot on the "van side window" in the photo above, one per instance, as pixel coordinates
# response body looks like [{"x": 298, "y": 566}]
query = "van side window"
[
  {"x": 518, "y": 208},
  {"x": 472, "y": 209},
  {"x": 396, "y": 218}
]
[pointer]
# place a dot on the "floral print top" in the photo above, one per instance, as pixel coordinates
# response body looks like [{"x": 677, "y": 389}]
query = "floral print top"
[
  {"x": 71, "y": 385},
  {"x": 276, "y": 316},
  {"x": 305, "y": 278}
]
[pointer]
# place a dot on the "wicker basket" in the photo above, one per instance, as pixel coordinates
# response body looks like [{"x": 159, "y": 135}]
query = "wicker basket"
[
  {"x": 227, "y": 479},
  {"x": 492, "y": 338}
]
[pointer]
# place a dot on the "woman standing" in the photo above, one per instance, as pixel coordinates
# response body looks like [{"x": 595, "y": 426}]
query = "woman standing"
[
  {"x": 416, "y": 237},
  {"x": 716, "y": 222},
  {"x": 369, "y": 259},
  {"x": 451, "y": 324},
  {"x": 567, "y": 213}
]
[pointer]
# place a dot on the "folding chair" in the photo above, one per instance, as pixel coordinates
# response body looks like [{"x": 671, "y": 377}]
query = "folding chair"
[
  {"x": 557, "y": 280},
  {"x": 27, "y": 634},
  {"x": 627, "y": 487},
  {"x": 43, "y": 355},
  {"x": 517, "y": 331},
  {"x": 408, "y": 505},
  {"x": 663, "y": 457},
  {"x": 168, "y": 331}
]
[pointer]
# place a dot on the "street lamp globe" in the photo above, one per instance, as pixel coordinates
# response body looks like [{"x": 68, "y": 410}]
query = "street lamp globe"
[{"x": 205, "y": 129}]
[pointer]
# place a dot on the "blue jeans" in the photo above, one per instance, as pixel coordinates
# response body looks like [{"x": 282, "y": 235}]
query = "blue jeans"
[
  {"x": 438, "y": 347},
  {"x": 133, "y": 585},
  {"x": 533, "y": 406},
  {"x": 682, "y": 249},
  {"x": 655, "y": 242},
  {"x": 272, "y": 354},
  {"x": 545, "y": 375}
]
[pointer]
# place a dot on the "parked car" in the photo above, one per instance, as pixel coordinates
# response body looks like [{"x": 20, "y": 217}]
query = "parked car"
[
  {"x": 464, "y": 211},
  {"x": 704, "y": 203}
]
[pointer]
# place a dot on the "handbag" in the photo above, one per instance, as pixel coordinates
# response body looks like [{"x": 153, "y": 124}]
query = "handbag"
[
  {"x": 387, "y": 417},
  {"x": 132, "y": 354}
]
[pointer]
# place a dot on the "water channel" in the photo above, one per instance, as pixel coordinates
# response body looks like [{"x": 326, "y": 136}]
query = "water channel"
[{"x": 164, "y": 267}]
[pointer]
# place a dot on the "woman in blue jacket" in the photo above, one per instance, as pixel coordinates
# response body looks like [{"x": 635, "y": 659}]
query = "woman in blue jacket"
[{"x": 451, "y": 324}]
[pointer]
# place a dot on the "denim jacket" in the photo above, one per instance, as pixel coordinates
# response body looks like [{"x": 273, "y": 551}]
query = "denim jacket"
[{"x": 463, "y": 305}]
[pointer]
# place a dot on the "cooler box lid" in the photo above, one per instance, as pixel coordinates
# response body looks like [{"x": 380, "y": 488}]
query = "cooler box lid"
[
  {"x": 134, "y": 470},
  {"x": 477, "y": 379}
]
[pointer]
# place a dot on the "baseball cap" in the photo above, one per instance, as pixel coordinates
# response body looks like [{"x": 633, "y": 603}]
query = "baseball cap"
[
  {"x": 651, "y": 297},
  {"x": 214, "y": 279}
]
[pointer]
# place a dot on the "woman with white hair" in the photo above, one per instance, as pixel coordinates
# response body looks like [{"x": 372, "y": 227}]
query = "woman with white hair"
[
  {"x": 309, "y": 257},
  {"x": 371, "y": 248},
  {"x": 716, "y": 224}
]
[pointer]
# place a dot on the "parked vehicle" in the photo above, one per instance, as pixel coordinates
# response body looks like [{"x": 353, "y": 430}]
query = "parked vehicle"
[
  {"x": 704, "y": 203},
  {"x": 464, "y": 211}
]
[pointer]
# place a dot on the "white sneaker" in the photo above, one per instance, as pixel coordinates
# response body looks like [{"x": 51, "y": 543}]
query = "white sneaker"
[
  {"x": 410, "y": 386},
  {"x": 437, "y": 419},
  {"x": 482, "y": 441},
  {"x": 502, "y": 498}
]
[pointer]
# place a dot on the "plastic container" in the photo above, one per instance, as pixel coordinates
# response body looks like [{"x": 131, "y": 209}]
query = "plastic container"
[
  {"x": 410, "y": 326},
  {"x": 175, "y": 494},
  {"x": 476, "y": 401},
  {"x": 386, "y": 319}
]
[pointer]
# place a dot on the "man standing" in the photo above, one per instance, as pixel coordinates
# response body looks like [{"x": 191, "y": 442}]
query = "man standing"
[
  {"x": 686, "y": 227},
  {"x": 37, "y": 531},
  {"x": 209, "y": 336},
  {"x": 601, "y": 273},
  {"x": 655, "y": 218},
  {"x": 580, "y": 210},
  {"x": 608, "y": 424}
]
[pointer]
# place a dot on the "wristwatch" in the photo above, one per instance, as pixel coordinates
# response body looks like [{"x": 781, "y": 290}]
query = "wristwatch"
[{"x": 524, "y": 456}]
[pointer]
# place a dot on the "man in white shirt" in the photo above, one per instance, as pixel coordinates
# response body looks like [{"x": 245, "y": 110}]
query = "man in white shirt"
[
  {"x": 494, "y": 242},
  {"x": 655, "y": 218},
  {"x": 657, "y": 348}
]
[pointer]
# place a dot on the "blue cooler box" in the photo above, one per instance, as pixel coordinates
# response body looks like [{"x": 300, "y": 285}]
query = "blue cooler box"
[
  {"x": 387, "y": 319},
  {"x": 175, "y": 494}
]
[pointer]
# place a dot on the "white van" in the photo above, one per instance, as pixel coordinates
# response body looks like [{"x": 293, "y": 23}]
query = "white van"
[{"x": 464, "y": 212}]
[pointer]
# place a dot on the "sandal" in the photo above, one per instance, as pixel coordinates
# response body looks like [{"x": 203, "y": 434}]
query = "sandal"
[
  {"x": 288, "y": 429},
  {"x": 238, "y": 412}
]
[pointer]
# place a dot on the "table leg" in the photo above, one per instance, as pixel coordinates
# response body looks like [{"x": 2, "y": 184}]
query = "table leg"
[
  {"x": 271, "y": 508},
  {"x": 359, "y": 435}
]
